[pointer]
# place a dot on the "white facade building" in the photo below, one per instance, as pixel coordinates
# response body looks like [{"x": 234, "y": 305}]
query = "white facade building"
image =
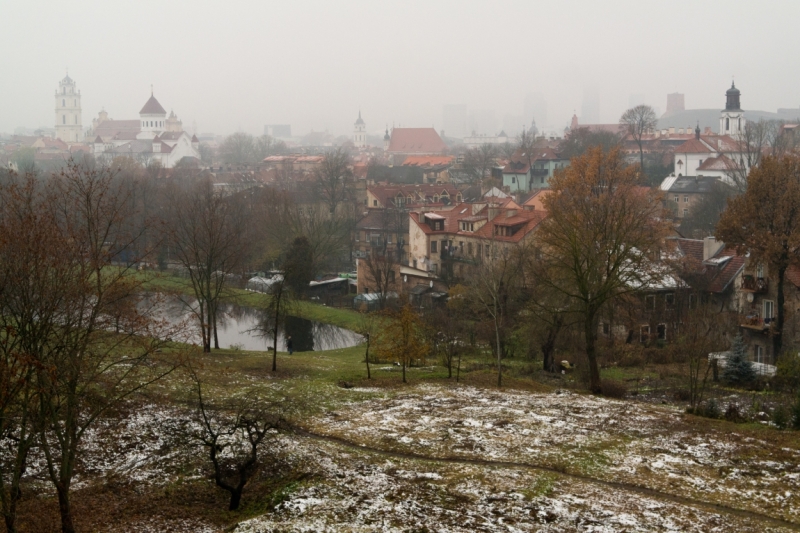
[
  {"x": 150, "y": 139},
  {"x": 360, "y": 133},
  {"x": 69, "y": 124}
]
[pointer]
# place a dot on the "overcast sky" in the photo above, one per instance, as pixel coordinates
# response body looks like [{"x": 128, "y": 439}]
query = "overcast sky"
[{"x": 235, "y": 65}]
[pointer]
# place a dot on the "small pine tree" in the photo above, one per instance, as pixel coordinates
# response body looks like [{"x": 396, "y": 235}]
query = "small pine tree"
[{"x": 738, "y": 370}]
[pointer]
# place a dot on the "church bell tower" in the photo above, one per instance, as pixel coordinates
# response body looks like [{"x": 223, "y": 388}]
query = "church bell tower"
[
  {"x": 731, "y": 120},
  {"x": 69, "y": 125}
]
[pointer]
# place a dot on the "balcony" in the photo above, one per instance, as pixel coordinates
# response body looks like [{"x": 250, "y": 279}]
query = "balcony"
[
  {"x": 755, "y": 323},
  {"x": 755, "y": 285},
  {"x": 538, "y": 172},
  {"x": 457, "y": 254}
]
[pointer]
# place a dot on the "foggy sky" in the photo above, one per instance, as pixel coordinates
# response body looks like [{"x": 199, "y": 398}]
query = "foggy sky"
[{"x": 234, "y": 65}]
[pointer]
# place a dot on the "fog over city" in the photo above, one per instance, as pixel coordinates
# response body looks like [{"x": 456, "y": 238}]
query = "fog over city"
[{"x": 236, "y": 66}]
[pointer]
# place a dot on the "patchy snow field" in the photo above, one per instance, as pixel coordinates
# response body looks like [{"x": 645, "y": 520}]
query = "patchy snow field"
[
  {"x": 607, "y": 466},
  {"x": 359, "y": 491},
  {"x": 643, "y": 445}
]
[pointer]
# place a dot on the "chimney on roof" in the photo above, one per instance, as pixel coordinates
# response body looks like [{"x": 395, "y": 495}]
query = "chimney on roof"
[
  {"x": 711, "y": 247},
  {"x": 697, "y": 131}
]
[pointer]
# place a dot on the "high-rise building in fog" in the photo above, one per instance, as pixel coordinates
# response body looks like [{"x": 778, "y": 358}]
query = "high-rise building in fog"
[
  {"x": 454, "y": 120},
  {"x": 675, "y": 103},
  {"x": 69, "y": 125},
  {"x": 535, "y": 108}
]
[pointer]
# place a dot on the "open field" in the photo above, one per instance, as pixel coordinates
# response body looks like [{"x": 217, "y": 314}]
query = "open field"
[{"x": 429, "y": 456}]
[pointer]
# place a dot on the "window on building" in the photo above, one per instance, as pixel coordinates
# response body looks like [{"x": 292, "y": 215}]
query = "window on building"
[
  {"x": 434, "y": 244},
  {"x": 480, "y": 250},
  {"x": 669, "y": 300},
  {"x": 63, "y": 103},
  {"x": 63, "y": 119},
  {"x": 374, "y": 203},
  {"x": 644, "y": 334},
  {"x": 677, "y": 199},
  {"x": 661, "y": 332},
  {"x": 758, "y": 353},
  {"x": 513, "y": 179},
  {"x": 686, "y": 199},
  {"x": 391, "y": 276},
  {"x": 692, "y": 301},
  {"x": 541, "y": 180},
  {"x": 769, "y": 309},
  {"x": 469, "y": 248},
  {"x": 650, "y": 301},
  {"x": 686, "y": 212},
  {"x": 606, "y": 328},
  {"x": 760, "y": 271}
]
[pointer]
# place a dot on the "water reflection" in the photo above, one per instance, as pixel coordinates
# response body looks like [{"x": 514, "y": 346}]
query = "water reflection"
[{"x": 251, "y": 329}]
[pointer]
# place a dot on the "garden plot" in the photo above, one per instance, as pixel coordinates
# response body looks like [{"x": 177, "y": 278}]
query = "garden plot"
[
  {"x": 357, "y": 491},
  {"x": 643, "y": 445}
]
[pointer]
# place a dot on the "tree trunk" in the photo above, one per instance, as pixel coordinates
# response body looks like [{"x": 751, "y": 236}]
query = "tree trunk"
[
  {"x": 236, "y": 498},
  {"x": 65, "y": 510},
  {"x": 594, "y": 372},
  {"x": 366, "y": 358},
  {"x": 777, "y": 335},
  {"x": 404, "y": 370},
  {"x": 214, "y": 325},
  {"x": 641, "y": 159},
  {"x": 275, "y": 346},
  {"x": 499, "y": 366}
]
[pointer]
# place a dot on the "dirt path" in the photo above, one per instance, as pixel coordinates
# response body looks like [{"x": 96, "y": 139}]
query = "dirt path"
[{"x": 644, "y": 491}]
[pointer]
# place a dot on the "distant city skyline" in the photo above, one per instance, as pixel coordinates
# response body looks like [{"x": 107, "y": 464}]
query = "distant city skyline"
[{"x": 264, "y": 69}]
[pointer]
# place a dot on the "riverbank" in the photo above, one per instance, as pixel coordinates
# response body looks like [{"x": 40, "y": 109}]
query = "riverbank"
[{"x": 344, "y": 318}]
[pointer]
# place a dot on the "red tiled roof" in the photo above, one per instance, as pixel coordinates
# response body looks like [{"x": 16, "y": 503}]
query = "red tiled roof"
[
  {"x": 530, "y": 219},
  {"x": 152, "y": 107},
  {"x": 695, "y": 146},
  {"x": 720, "y": 162},
  {"x": 109, "y": 128},
  {"x": 729, "y": 270},
  {"x": 416, "y": 141},
  {"x": 427, "y": 160},
  {"x": 691, "y": 248}
]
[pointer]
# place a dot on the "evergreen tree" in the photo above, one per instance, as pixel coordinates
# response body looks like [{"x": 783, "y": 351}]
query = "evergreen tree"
[{"x": 738, "y": 370}]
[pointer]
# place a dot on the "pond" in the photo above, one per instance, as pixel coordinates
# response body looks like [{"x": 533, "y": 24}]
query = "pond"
[{"x": 247, "y": 328}]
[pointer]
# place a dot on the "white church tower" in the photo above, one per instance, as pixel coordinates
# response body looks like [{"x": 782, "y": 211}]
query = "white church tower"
[
  {"x": 731, "y": 120},
  {"x": 69, "y": 125},
  {"x": 360, "y": 133}
]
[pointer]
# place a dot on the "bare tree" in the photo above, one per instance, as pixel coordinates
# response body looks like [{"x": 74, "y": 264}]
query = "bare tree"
[
  {"x": 233, "y": 434},
  {"x": 479, "y": 161},
  {"x": 639, "y": 121},
  {"x": 333, "y": 179},
  {"x": 76, "y": 313},
  {"x": 494, "y": 285},
  {"x": 239, "y": 148},
  {"x": 207, "y": 237},
  {"x": 383, "y": 259}
]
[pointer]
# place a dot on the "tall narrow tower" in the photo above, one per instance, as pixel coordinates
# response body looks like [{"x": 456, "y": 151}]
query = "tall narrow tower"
[
  {"x": 731, "y": 119},
  {"x": 360, "y": 133},
  {"x": 69, "y": 124}
]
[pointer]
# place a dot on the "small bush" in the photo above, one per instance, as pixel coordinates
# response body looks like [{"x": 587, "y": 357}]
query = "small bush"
[
  {"x": 614, "y": 389},
  {"x": 632, "y": 359},
  {"x": 732, "y": 413},
  {"x": 712, "y": 409},
  {"x": 683, "y": 395},
  {"x": 788, "y": 373},
  {"x": 780, "y": 417}
]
